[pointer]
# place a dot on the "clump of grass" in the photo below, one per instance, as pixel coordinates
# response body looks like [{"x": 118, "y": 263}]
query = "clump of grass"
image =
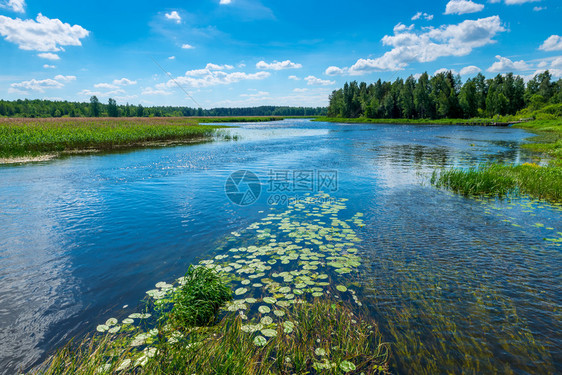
[
  {"x": 199, "y": 299},
  {"x": 325, "y": 337},
  {"x": 500, "y": 180}
]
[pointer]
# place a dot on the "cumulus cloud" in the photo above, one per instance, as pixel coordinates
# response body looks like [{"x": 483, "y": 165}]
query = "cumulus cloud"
[
  {"x": 211, "y": 75},
  {"x": 65, "y": 78},
  {"x": 278, "y": 65},
  {"x": 538, "y": 9},
  {"x": 187, "y": 46},
  {"x": 42, "y": 34},
  {"x": 312, "y": 80},
  {"x": 225, "y": 2},
  {"x": 294, "y": 78},
  {"x": 334, "y": 70},
  {"x": 17, "y": 6},
  {"x": 124, "y": 82},
  {"x": 173, "y": 16},
  {"x": 428, "y": 45},
  {"x": 504, "y": 64},
  {"x": 470, "y": 70},
  {"x": 47, "y": 66},
  {"x": 172, "y": 58},
  {"x": 49, "y": 56},
  {"x": 557, "y": 62},
  {"x": 40, "y": 85},
  {"x": 419, "y": 15},
  {"x": 552, "y": 43},
  {"x": 445, "y": 70},
  {"x": 462, "y": 7},
  {"x": 401, "y": 27}
]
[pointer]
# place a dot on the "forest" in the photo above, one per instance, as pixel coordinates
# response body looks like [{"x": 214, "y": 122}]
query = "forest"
[
  {"x": 444, "y": 96},
  {"x": 94, "y": 108}
]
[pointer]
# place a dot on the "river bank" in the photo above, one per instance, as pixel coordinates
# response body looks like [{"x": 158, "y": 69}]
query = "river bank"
[{"x": 27, "y": 140}]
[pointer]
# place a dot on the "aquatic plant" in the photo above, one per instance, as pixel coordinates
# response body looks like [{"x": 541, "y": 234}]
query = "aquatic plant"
[
  {"x": 500, "y": 180},
  {"x": 197, "y": 301}
]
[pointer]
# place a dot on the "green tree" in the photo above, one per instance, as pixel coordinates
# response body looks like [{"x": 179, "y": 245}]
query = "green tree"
[
  {"x": 94, "y": 106},
  {"x": 112, "y": 110}
]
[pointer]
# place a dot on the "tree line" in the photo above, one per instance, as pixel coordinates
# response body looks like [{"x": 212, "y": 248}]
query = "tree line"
[
  {"x": 444, "y": 96},
  {"x": 95, "y": 108}
]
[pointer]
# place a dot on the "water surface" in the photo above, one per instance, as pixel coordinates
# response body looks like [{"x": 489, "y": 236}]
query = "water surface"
[{"x": 456, "y": 284}]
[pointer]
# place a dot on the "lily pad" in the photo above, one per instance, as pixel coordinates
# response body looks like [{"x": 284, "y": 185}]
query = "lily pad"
[
  {"x": 240, "y": 291},
  {"x": 341, "y": 288},
  {"x": 260, "y": 341},
  {"x": 264, "y": 309},
  {"x": 347, "y": 366}
]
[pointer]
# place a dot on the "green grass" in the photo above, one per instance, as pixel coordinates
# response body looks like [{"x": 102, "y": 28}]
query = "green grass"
[
  {"x": 24, "y": 137},
  {"x": 198, "y": 300},
  {"x": 320, "y": 337},
  {"x": 501, "y": 180}
]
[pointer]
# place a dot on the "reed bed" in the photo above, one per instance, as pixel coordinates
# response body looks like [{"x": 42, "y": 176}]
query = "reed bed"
[
  {"x": 501, "y": 180},
  {"x": 25, "y": 137}
]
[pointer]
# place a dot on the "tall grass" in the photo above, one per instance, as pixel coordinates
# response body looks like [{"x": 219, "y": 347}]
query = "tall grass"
[
  {"x": 199, "y": 299},
  {"x": 22, "y": 137},
  {"x": 326, "y": 337},
  {"x": 500, "y": 180}
]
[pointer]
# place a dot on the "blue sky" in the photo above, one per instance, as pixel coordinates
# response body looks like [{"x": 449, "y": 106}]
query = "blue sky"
[{"x": 235, "y": 53}]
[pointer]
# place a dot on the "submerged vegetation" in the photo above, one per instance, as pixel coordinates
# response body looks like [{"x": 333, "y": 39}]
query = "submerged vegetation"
[{"x": 292, "y": 313}]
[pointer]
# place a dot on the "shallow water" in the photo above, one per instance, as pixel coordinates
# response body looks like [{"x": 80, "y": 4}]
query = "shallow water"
[{"x": 456, "y": 284}]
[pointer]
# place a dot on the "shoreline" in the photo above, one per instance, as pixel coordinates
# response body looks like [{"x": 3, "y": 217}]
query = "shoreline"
[{"x": 401, "y": 121}]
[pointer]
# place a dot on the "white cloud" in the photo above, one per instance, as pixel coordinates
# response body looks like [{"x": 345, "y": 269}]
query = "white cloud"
[
  {"x": 462, "y": 7},
  {"x": 447, "y": 40},
  {"x": 47, "y": 66},
  {"x": 552, "y": 43},
  {"x": 173, "y": 16},
  {"x": 65, "y": 78},
  {"x": 152, "y": 91},
  {"x": 294, "y": 78},
  {"x": 312, "y": 80},
  {"x": 14, "y": 5},
  {"x": 419, "y": 15},
  {"x": 445, "y": 70},
  {"x": 124, "y": 82},
  {"x": 211, "y": 75},
  {"x": 401, "y": 27},
  {"x": 334, "y": 70},
  {"x": 300, "y": 90},
  {"x": 40, "y": 85},
  {"x": 105, "y": 86},
  {"x": 504, "y": 64},
  {"x": 44, "y": 34},
  {"x": 172, "y": 58},
  {"x": 557, "y": 62},
  {"x": 211, "y": 66},
  {"x": 224, "y": 2},
  {"x": 259, "y": 94},
  {"x": 278, "y": 65},
  {"x": 49, "y": 56},
  {"x": 187, "y": 46},
  {"x": 538, "y": 9},
  {"x": 470, "y": 70},
  {"x": 113, "y": 93}
]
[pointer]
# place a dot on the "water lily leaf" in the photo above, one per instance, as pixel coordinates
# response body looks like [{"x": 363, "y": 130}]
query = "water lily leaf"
[
  {"x": 102, "y": 328},
  {"x": 347, "y": 366},
  {"x": 260, "y": 341},
  {"x": 269, "y": 300},
  {"x": 266, "y": 320},
  {"x": 341, "y": 288},
  {"x": 320, "y": 351},
  {"x": 240, "y": 291},
  {"x": 264, "y": 309},
  {"x": 269, "y": 332}
]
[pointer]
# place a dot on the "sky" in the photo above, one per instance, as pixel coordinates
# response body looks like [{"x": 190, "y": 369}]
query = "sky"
[{"x": 243, "y": 53}]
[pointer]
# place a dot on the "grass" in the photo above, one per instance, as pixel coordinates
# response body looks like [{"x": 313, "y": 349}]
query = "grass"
[
  {"x": 32, "y": 137},
  {"x": 199, "y": 299},
  {"x": 319, "y": 337}
]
